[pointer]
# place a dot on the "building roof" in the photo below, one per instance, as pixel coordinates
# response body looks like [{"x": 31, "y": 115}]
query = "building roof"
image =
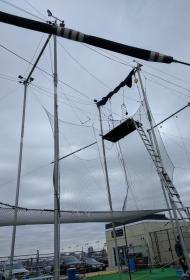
[{"x": 152, "y": 217}]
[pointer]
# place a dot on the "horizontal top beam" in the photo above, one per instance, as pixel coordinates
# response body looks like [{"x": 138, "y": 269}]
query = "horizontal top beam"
[{"x": 88, "y": 39}]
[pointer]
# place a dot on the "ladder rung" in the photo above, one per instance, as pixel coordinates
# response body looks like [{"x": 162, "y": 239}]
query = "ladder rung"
[
  {"x": 152, "y": 150},
  {"x": 148, "y": 144},
  {"x": 143, "y": 134},
  {"x": 170, "y": 186},
  {"x": 157, "y": 161},
  {"x": 141, "y": 131},
  {"x": 172, "y": 189},
  {"x": 183, "y": 210},
  {"x": 160, "y": 168},
  {"x": 155, "y": 155},
  {"x": 176, "y": 194},
  {"x": 169, "y": 182},
  {"x": 145, "y": 139},
  {"x": 172, "y": 192}
]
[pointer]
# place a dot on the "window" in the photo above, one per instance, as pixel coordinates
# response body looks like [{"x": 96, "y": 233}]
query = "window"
[{"x": 119, "y": 232}]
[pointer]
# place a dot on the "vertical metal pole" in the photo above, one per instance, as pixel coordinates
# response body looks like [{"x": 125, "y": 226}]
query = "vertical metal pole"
[
  {"x": 109, "y": 192},
  {"x": 154, "y": 140},
  {"x": 174, "y": 209},
  {"x": 171, "y": 251},
  {"x": 158, "y": 247},
  {"x": 127, "y": 252},
  {"x": 148, "y": 252},
  {"x": 18, "y": 181},
  {"x": 38, "y": 263},
  {"x": 56, "y": 173},
  {"x": 25, "y": 83},
  {"x": 125, "y": 176}
]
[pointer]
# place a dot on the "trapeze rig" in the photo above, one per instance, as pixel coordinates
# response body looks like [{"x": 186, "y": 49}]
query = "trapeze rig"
[{"x": 172, "y": 197}]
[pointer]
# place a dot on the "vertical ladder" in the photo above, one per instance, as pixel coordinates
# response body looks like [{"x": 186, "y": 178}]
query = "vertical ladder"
[{"x": 172, "y": 192}]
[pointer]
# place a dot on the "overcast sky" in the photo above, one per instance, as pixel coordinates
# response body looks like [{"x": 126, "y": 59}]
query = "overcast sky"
[{"x": 157, "y": 25}]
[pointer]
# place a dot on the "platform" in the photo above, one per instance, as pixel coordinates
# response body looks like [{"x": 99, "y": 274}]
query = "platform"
[{"x": 120, "y": 131}]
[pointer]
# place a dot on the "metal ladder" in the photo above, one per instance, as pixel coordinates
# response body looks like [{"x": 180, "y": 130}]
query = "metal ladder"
[{"x": 172, "y": 192}]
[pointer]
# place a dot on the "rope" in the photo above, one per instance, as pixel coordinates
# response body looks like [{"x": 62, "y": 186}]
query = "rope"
[
  {"x": 83, "y": 67},
  {"x": 182, "y": 140},
  {"x": 34, "y": 8},
  {"x": 21, "y": 9},
  {"x": 76, "y": 151},
  {"x": 12, "y": 206},
  {"x": 106, "y": 56},
  {"x": 9, "y": 93},
  {"x": 121, "y": 159},
  {"x": 167, "y": 81},
  {"x": 123, "y": 62},
  {"x": 34, "y": 54},
  {"x": 44, "y": 71},
  {"x": 99, "y": 154}
]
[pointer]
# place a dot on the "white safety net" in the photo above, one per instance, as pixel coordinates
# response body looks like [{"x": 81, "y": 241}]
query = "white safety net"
[{"x": 37, "y": 216}]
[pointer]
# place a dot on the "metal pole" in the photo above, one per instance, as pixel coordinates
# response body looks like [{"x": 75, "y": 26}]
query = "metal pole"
[
  {"x": 18, "y": 183},
  {"x": 127, "y": 252},
  {"x": 148, "y": 252},
  {"x": 125, "y": 176},
  {"x": 153, "y": 140},
  {"x": 170, "y": 116},
  {"x": 171, "y": 251},
  {"x": 174, "y": 209},
  {"x": 38, "y": 262},
  {"x": 56, "y": 173},
  {"x": 109, "y": 192},
  {"x": 76, "y": 151},
  {"x": 25, "y": 83}
]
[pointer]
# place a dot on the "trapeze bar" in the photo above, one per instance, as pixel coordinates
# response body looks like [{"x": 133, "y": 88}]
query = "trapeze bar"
[{"x": 120, "y": 131}]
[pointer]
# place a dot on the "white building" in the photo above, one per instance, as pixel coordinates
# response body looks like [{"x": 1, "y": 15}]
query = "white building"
[{"x": 150, "y": 240}]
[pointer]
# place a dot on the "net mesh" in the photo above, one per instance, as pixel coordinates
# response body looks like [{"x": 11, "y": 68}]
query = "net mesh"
[
  {"x": 81, "y": 174},
  {"x": 144, "y": 188},
  {"x": 86, "y": 189},
  {"x": 83, "y": 190},
  {"x": 82, "y": 178}
]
